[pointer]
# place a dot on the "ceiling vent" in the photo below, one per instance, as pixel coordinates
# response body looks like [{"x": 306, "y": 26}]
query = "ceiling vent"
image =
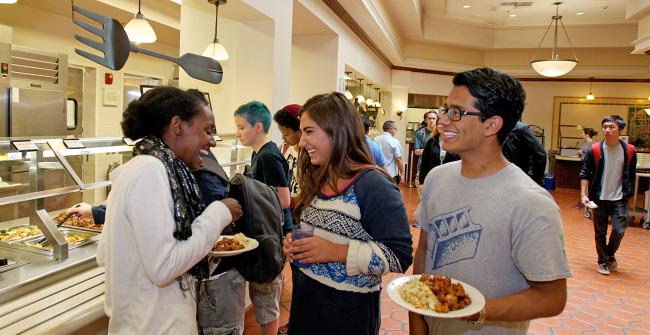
[{"x": 517, "y": 4}]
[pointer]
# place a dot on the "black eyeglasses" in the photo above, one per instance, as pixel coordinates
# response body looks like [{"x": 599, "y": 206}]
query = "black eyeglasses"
[{"x": 455, "y": 113}]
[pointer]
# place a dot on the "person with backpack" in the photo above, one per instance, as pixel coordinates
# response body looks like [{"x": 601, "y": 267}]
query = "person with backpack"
[
  {"x": 360, "y": 227},
  {"x": 252, "y": 121},
  {"x": 607, "y": 178}
]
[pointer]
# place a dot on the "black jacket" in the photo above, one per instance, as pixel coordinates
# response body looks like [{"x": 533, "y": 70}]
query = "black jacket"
[
  {"x": 431, "y": 157},
  {"x": 522, "y": 148},
  {"x": 595, "y": 174}
]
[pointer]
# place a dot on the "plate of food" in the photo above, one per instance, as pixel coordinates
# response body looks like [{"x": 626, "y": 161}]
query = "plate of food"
[
  {"x": 233, "y": 245},
  {"x": 436, "y": 296}
]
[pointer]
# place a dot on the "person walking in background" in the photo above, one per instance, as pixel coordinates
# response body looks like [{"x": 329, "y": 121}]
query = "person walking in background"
[
  {"x": 484, "y": 221},
  {"x": 522, "y": 148},
  {"x": 433, "y": 155},
  {"x": 252, "y": 121},
  {"x": 588, "y": 134},
  {"x": 392, "y": 150},
  {"x": 423, "y": 134},
  {"x": 607, "y": 178},
  {"x": 288, "y": 121},
  {"x": 377, "y": 155},
  {"x": 155, "y": 205},
  {"x": 360, "y": 226}
]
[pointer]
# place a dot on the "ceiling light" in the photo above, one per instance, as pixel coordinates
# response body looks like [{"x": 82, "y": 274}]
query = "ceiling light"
[
  {"x": 580, "y": 13},
  {"x": 647, "y": 110},
  {"x": 177, "y": 1},
  {"x": 590, "y": 96},
  {"x": 215, "y": 50},
  {"x": 348, "y": 95},
  {"x": 513, "y": 15},
  {"x": 555, "y": 66},
  {"x": 347, "y": 75},
  {"x": 8, "y": 2},
  {"x": 467, "y": 6},
  {"x": 369, "y": 101},
  {"x": 139, "y": 30},
  {"x": 360, "y": 98}
]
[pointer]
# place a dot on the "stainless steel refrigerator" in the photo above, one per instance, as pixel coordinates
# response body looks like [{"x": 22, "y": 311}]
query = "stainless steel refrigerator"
[{"x": 32, "y": 92}]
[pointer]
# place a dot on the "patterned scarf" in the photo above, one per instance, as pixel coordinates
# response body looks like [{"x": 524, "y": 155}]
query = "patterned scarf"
[{"x": 185, "y": 193}]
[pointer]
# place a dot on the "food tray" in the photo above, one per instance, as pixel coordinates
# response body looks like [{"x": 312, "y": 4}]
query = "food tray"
[
  {"x": 88, "y": 238},
  {"x": 24, "y": 225}
]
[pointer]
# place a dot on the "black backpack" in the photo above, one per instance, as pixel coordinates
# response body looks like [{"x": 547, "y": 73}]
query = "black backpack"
[{"x": 262, "y": 220}]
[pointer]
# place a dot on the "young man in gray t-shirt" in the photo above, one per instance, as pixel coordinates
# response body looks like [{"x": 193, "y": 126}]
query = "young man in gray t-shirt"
[
  {"x": 485, "y": 222},
  {"x": 607, "y": 177}
]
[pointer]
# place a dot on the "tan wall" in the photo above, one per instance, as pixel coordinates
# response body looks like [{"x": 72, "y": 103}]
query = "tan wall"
[
  {"x": 445, "y": 53},
  {"x": 313, "y": 66}
]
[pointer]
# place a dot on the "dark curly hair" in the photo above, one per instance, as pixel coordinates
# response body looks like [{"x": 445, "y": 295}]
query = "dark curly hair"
[
  {"x": 497, "y": 94},
  {"x": 150, "y": 114},
  {"x": 285, "y": 119}
]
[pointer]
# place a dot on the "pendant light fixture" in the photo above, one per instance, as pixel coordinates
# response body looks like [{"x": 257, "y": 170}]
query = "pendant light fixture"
[
  {"x": 590, "y": 96},
  {"x": 348, "y": 94},
  {"x": 139, "y": 30},
  {"x": 378, "y": 98},
  {"x": 369, "y": 101},
  {"x": 8, "y": 2},
  {"x": 215, "y": 50},
  {"x": 360, "y": 98},
  {"x": 555, "y": 66}
]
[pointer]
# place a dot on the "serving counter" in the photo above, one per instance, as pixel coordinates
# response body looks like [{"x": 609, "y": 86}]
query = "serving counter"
[{"x": 59, "y": 290}]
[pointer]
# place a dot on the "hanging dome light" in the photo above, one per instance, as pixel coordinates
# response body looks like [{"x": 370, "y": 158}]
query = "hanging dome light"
[
  {"x": 369, "y": 101},
  {"x": 590, "y": 96},
  {"x": 360, "y": 98},
  {"x": 216, "y": 50},
  {"x": 139, "y": 30},
  {"x": 348, "y": 95},
  {"x": 555, "y": 66}
]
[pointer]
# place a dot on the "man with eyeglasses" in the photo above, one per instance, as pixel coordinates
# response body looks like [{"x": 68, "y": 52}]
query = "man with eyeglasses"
[
  {"x": 484, "y": 221},
  {"x": 392, "y": 150}
]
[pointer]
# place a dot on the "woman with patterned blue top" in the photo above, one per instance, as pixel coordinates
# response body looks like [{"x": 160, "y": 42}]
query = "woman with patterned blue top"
[{"x": 360, "y": 225}]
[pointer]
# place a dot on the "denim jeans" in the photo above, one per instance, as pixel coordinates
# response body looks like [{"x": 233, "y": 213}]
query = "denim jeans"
[
  {"x": 617, "y": 209},
  {"x": 222, "y": 305}
]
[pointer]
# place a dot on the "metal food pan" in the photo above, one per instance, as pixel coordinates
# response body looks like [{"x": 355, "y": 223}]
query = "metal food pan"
[
  {"x": 24, "y": 225},
  {"x": 46, "y": 248}
]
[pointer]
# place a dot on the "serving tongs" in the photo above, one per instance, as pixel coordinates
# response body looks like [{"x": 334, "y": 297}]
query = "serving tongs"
[
  {"x": 65, "y": 218},
  {"x": 116, "y": 47}
]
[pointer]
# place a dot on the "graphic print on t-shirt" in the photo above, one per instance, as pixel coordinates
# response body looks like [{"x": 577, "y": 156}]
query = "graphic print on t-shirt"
[
  {"x": 455, "y": 238},
  {"x": 292, "y": 160}
]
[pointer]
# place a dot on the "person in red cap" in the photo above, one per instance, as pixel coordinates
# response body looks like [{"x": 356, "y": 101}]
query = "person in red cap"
[{"x": 288, "y": 121}]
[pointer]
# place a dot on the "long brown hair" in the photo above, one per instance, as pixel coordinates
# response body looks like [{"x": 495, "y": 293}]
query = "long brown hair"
[{"x": 338, "y": 118}]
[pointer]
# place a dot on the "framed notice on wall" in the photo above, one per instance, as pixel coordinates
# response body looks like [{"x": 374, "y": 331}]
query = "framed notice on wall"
[{"x": 110, "y": 96}]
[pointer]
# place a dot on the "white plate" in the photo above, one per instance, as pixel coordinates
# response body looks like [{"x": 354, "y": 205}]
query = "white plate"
[
  {"x": 252, "y": 244},
  {"x": 478, "y": 300}
]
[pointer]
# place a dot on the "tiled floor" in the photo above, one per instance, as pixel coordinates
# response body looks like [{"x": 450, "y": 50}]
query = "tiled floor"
[{"x": 597, "y": 304}]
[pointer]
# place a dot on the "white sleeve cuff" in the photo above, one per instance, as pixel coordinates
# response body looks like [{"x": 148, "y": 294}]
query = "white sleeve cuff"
[{"x": 358, "y": 260}]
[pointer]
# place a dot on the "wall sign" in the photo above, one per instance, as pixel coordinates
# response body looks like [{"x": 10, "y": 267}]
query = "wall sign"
[
  {"x": 23, "y": 146},
  {"x": 110, "y": 96},
  {"x": 73, "y": 143}
]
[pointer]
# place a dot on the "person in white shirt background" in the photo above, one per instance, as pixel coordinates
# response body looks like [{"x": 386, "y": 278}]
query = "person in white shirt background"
[{"x": 392, "y": 150}]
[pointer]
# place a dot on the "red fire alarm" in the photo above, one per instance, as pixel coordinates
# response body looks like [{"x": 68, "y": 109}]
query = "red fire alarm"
[{"x": 108, "y": 78}]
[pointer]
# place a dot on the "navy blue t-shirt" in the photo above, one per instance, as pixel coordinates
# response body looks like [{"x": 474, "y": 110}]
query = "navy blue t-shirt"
[{"x": 269, "y": 166}]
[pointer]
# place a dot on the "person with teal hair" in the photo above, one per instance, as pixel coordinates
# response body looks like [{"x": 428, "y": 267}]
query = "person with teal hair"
[
  {"x": 255, "y": 112},
  {"x": 252, "y": 121}
]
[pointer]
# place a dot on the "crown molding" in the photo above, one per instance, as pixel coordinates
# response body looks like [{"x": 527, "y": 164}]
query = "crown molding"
[{"x": 641, "y": 45}]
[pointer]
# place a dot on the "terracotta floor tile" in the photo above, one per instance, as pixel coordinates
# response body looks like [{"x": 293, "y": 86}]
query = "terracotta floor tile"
[{"x": 597, "y": 304}]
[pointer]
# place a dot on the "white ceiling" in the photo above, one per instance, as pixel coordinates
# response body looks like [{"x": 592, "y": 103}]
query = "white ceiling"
[{"x": 528, "y": 12}]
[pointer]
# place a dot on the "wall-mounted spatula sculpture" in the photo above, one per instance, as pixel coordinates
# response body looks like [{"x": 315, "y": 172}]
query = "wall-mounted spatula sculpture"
[{"x": 116, "y": 47}]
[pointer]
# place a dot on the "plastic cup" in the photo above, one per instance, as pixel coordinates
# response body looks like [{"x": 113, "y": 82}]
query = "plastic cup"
[{"x": 301, "y": 231}]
